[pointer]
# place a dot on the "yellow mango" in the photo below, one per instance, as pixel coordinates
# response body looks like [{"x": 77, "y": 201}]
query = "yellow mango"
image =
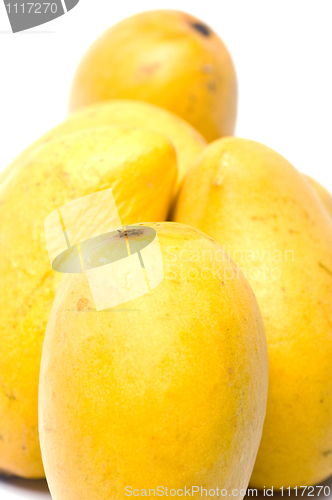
[
  {"x": 271, "y": 222},
  {"x": 168, "y": 389},
  {"x": 186, "y": 140},
  {"x": 140, "y": 167},
  {"x": 165, "y": 57}
]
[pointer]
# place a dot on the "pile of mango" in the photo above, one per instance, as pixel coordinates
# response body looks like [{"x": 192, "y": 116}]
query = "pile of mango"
[{"x": 219, "y": 377}]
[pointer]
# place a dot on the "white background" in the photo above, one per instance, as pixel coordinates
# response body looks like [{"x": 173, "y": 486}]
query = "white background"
[{"x": 282, "y": 51}]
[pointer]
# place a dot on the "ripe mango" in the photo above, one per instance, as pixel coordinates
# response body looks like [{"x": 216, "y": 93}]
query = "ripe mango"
[
  {"x": 186, "y": 140},
  {"x": 167, "y": 389},
  {"x": 165, "y": 57},
  {"x": 140, "y": 166},
  {"x": 264, "y": 212}
]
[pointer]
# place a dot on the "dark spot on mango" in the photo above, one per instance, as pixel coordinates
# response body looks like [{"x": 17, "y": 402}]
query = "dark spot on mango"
[
  {"x": 326, "y": 453},
  {"x": 121, "y": 234},
  {"x": 11, "y": 396},
  {"x": 202, "y": 29},
  {"x": 190, "y": 110},
  {"x": 322, "y": 266},
  {"x": 134, "y": 232},
  {"x": 211, "y": 86},
  {"x": 82, "y": 303}
]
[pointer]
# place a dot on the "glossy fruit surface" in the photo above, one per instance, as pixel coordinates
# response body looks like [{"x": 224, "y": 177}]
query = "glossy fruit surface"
[
  {"x": 168, "y": 389},
  {"x": 264, "y": 212},
  {"x": 165, "y": 57},
  {"x": 140, "y": 167}
]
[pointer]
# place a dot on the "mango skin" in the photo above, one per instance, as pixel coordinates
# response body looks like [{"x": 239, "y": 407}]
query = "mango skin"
[
  {"x": 250, "y": 199},
  {"x": 140, "y": 166},
  {"x": 186, "y": 140},
  {"x": 324, "y": 195},
  {"x": 165, "y": 57},
  {"x": 167, "y": 389}
]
